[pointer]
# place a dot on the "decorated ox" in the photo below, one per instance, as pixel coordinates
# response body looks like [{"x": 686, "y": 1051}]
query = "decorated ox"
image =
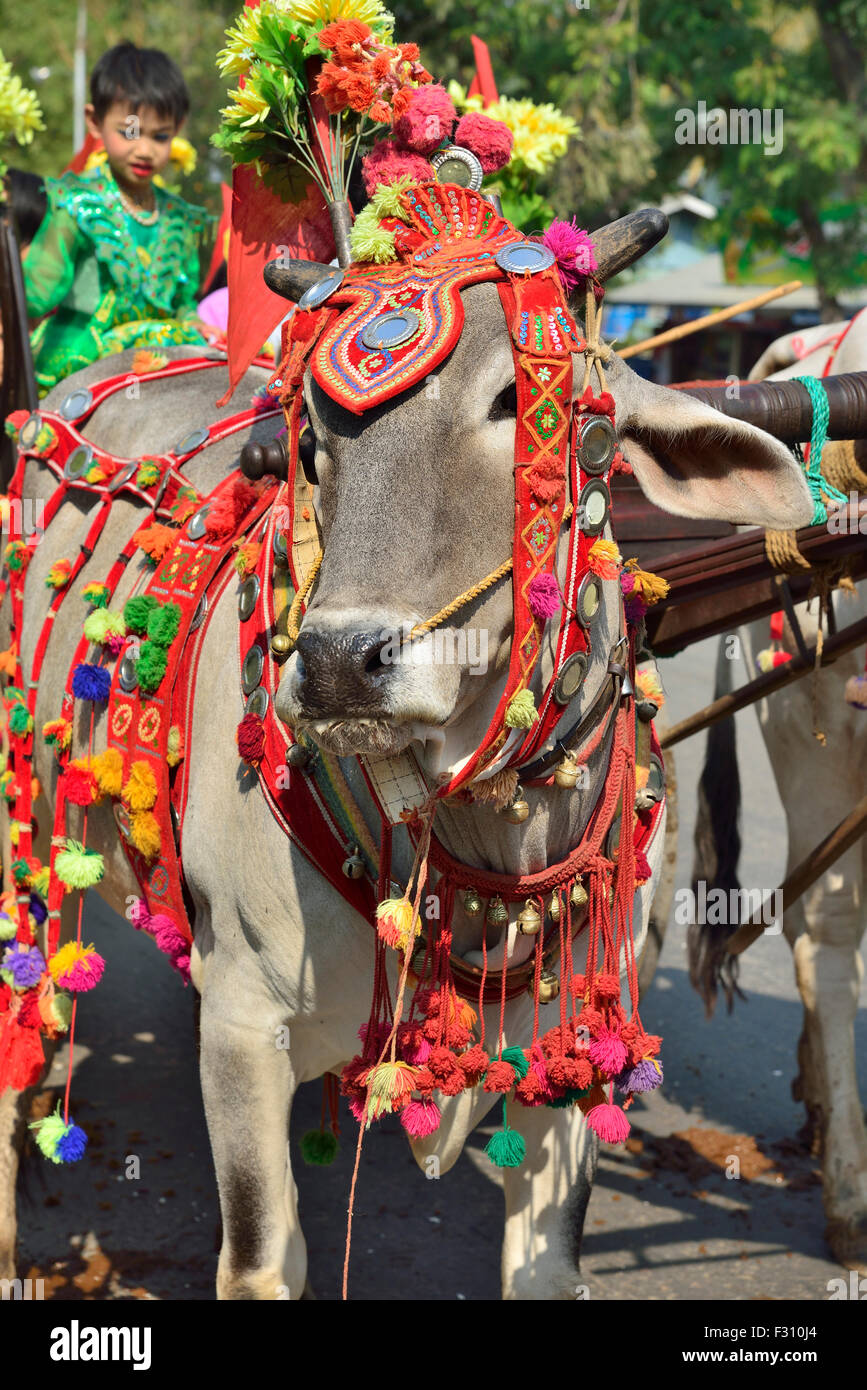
[
  {"x": 819, "y": 780},
  {"x": 416, "y": 500}
]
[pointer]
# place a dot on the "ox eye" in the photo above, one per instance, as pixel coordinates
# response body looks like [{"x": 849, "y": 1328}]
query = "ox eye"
[
  {"x": 505, "y": 405},
  {"x": 307, "y": 454}
]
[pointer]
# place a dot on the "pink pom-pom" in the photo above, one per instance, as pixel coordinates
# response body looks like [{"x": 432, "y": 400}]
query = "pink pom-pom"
[
  {"x": 490, "y": 141},
  {"x": 114, "y": 643},
  {"x": 420, "y": 1118},
  {"x": 83, "y": 976},
  {"x": 386, "y": 163},
  {"x": 427, "y": 121},
  {"x": 167, "y": 936},
  {"x": 356, "y": 1106},
  {"x": 573, "y": 249},
  {"x": 608, "y": 1052},
  {"x": 609, "y": 1122},
  {"x": 543, "y": 596}
]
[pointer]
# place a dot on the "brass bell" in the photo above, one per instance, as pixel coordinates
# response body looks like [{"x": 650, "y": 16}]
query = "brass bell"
[
  {"x": 529, "y": 919},
  {"x": 566, "y": 772},
  {"x": 554, "y": 909},
  {"x": 353, "y": 866},
  {"x": 647, "y": 710},
  {"x": 578, "y": 895},
  {"x": 497, "y": 914},
  {"x": 282, "y": 646},
  {"x": 519, "y": 810},
  {"x": 549, "y": 987},
  {"x": 472, "y": 902},
  {"x": 299, "y": 757}
]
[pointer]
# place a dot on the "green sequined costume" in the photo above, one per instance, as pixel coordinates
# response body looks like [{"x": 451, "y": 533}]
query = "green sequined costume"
[{"x": 113, "y": 282}]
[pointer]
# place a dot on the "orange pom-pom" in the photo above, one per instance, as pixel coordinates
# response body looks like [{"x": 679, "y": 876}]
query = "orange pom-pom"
[{"x": 156, "y": 540}]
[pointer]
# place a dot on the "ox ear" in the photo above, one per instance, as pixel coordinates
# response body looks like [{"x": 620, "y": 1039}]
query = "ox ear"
[{"x": 692, "y": 460}]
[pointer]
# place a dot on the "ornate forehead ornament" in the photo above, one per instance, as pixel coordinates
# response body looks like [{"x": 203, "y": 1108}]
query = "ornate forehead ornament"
[{"x": 398, "y": 321}]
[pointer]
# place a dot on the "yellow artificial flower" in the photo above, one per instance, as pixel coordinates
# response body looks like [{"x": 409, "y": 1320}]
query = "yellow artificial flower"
[
  {"x": 370, "y": 12},
  {"x": 249, "y": 105},
  {"x": 238, "y": 54},
  {"x": 183, "y": 155},
  {"x": 20, "y": 113}
]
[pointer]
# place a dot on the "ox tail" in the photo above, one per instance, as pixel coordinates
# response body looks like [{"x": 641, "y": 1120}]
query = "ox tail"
[{"x": 717, "y": 850}]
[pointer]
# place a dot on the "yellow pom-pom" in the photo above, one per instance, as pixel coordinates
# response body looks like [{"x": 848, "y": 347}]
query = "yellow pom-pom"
[
  {"x": 175, "y": 746},
  {"x": 140, "y": 791},
  {"x": 765, "y": 660},
  {"x": 650, "y": 587},
  {"x": 521, "y": 712},
  {"x": 107, "y": 768},
  {"x": 370, "y": 242},
  {"x": 145, "y": 833},
  {"x": 387, "y": 1085},
  {"x": 649, "y": 686},
  {"x": 102, "y": 623},
  {"x": 394, "y": 919}
]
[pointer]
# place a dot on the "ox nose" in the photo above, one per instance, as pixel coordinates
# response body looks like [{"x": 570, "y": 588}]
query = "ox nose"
[{"x": 342, "y": 672}]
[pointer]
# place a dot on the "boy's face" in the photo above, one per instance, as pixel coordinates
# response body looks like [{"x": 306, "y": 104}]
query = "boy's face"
[{"x": 138, "y": 143}]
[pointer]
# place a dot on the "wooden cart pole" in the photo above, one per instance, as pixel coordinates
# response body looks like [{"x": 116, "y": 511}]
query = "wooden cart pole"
[
  {"x": 683, "y": 330},
  {"x": 765, "y": 684},
  {"x": 805, "y": 874}
]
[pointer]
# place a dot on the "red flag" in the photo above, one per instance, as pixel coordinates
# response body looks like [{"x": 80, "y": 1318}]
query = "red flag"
[
  {"x": 221, "y": 241},
  {"x": 78, "y": 161},
  {"x": 263, "y": 227},
  {"x": 483, "y": 83}
]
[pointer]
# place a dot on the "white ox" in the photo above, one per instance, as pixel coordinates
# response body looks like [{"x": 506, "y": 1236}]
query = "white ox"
[
  {"x": 818, "y": 785},
  {"x": 416, "y": 503}
]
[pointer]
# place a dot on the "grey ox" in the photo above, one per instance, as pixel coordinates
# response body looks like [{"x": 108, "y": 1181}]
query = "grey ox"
[{"x": 416, "y": 504}]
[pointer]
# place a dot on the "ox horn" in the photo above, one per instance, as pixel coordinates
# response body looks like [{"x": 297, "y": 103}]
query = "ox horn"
[
  {"x": 290, "y": 277},
  {"x": 785, "y": 410},
  {"x": 625, "y": 241}
]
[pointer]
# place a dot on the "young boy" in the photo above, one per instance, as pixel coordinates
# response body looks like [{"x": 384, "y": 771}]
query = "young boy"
[{"x": 117, "y": 256}]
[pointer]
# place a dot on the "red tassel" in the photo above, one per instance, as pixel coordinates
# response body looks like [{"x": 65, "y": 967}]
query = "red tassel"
[
  {"x": 302, "y": 326},
  {"x": 251, "y": 739},
  {"x": 21, "y": 1055}
]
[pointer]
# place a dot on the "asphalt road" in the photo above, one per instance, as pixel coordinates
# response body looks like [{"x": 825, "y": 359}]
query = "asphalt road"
[{"x": 664, "y": 1222}]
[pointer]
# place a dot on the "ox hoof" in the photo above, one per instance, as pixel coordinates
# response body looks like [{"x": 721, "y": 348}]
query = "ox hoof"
[{"x": 847, "y": 1240}]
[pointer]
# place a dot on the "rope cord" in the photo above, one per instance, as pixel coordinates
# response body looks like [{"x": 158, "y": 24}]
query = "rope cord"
[{"x": 816, "y": 482}]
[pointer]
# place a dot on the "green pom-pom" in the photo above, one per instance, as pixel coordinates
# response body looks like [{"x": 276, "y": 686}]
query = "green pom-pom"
[
  {"x": 20, "y": 720},
  {"x": 516, "y": 1057},
  {"x": 102, "y": 624},
  {"x": 61, "y": 1011},
  {"x": 48, "y": 1134},
  {"x": 8, "y": 928},
  {"x": 319, "y": 1146},
  {"x": 370, "y": 242},
  {"x": 506, "y": 1148},
  {"x": 136, "y": 612},
  {"x": 20, "y": 871},
  {"x": 386, "y": 200},
  {"x": 163, "y": 624},
  {"x": 568, "y": 1099},
  {"x": 521, "y": 712},
  {"x": 148, "y": 473},
  {"x": 78, "y": 867},
  {"x": 151, "y": 666}
]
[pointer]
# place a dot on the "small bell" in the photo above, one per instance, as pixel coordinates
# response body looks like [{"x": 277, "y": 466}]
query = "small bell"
[
  {"x": 646, "y": 710},
  {"x": 566, "y": 772},
  {"x": 519, "y": 810},
  {"x": 529, "y": 919},
  {"x": 627, "y": 688},
  {"x": 497, "y": 914},
  {"x": 549, "y": 987},
  {"x": 554, "y": 909},
  {"x": 578, "y": 895},
  {"x": 300, "y": 757},
  {"x": 353, "y": 866},
  {"x": 281, "y": 646},
  {"x": 416, "y": 965},
  {"x": 472, "y": 902}
]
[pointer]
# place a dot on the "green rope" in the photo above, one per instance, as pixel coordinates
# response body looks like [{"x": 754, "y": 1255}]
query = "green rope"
[{"x": 816, "y": 482}]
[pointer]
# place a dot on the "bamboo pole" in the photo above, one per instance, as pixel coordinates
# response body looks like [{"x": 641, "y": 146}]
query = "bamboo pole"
[
  {"x": 683, "y": 330},
  {"x": 805, "y": 874}
]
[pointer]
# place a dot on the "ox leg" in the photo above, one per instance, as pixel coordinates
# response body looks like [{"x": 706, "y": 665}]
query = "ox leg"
[
  {"x": 11, "y": 1139},
  {"x": 546, "y": 1202},
  {"x": 248, "y": 1086},
  {"x": 825, "y": 941}
]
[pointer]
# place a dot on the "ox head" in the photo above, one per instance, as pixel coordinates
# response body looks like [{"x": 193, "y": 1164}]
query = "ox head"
[{"x": 416, "y": 502}]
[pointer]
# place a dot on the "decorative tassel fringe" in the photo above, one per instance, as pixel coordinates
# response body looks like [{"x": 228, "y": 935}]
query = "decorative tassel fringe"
[
  {"x": 543, "y": 596},
  {"x": 97, "y": 594},
  {"x": 498, "y": 790},
  {"x": 59, "y": 574},
  {"x": 77, "y": 968},
  {"x": 506, "y": 1148},
  {"x": 394, "y": 919},
  {"x": 156, "y": 541},
  {"x": 604, "y": 559},
  {"x": 250, "y": 738},
  {"x": 79, "y": 867}
]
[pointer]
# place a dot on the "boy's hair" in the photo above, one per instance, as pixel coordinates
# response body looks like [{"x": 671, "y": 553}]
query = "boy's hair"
[
  {"x": 141, "y": 77},
  {"x": 25, "y": 195}
]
